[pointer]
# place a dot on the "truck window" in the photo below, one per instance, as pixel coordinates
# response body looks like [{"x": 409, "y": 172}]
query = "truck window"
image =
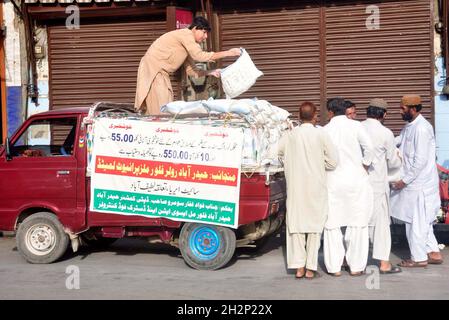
[{"x": 46, "y": 138}]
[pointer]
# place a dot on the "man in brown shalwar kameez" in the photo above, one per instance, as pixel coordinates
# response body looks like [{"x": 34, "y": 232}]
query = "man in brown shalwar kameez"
[
  {"x": 166, "y": 55},
  {"x": 308, "y": 152}
]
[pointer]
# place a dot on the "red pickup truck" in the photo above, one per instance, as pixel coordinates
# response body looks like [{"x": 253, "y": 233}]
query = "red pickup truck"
[{"x": 45, "y": 196}]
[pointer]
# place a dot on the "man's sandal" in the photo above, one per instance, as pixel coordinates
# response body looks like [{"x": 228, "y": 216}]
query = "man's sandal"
[
  {"x": 434, "y": 261},
  {"x": 434, "y": 257},
  {"x": 412, "y": 264},
  {"x": 300, "y": 274},
  {"x": 393, "y": 269},
  {"x": 316, "y": 274}
]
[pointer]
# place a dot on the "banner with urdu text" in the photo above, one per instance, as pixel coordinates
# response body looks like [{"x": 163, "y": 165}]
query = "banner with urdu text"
[{"x": 181, "y": 172}]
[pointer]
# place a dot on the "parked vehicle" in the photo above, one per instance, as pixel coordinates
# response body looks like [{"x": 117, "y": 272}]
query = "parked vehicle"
[
  {"x": 443, "y": 173},
  {"x": 45, "y": 196}
]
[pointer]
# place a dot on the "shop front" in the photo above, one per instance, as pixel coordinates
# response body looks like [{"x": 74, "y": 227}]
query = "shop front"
[
  {"x": 317, "y": 50},
  {"x": 93, "y": 49}
]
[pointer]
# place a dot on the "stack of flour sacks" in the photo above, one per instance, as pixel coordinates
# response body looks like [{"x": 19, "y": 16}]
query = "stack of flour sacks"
[{"x": 262, "y": 123}]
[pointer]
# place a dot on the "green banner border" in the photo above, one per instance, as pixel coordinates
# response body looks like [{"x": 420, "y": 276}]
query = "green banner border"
[{"x": 161, "y": 206}]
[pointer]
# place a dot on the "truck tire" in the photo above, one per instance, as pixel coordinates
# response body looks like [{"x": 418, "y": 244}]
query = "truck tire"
[
  {"x": 206, "y": 247},
  {"x": 41, "y": 238}
]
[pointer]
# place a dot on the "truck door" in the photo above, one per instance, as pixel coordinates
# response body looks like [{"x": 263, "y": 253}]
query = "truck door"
[{"x": 43, "y": 169}]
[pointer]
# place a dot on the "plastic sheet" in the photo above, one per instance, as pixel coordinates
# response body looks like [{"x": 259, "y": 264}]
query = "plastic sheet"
[{"x": 184, "y": 107}]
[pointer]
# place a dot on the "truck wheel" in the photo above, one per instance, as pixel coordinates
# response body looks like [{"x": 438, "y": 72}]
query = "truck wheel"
[
  {"x": 206, "y": 247},
  {"x": 41, "y": 238}
]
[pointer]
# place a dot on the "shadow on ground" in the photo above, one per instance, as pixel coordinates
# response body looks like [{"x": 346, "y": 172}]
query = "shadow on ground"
[
  {"x": 125, "y": 247},
  {"x": 135, "y": 246}
]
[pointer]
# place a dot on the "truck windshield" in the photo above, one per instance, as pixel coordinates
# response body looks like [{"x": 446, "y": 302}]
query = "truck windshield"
[{"x": 46, "y": 138}]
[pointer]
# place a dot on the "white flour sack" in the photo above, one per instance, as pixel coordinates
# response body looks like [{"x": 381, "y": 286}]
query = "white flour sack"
[{"x": 239, "y": 76}]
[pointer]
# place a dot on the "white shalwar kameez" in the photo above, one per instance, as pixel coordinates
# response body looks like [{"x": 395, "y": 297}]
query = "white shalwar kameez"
[
  {"x": 386, "y": 159},
  {"x": 417, "y": 204},
  {"x": 350, "y": 197}
]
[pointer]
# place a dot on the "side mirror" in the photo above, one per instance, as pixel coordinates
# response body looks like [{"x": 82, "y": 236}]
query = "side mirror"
[{"x": 8, "y": 150}]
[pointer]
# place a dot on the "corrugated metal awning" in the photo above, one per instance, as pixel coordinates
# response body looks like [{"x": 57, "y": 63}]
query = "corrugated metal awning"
[
  {"x": 86, "y": 66},
  {"x": 325, "y": 49},
  {"x": 86, "y": 1},
  {"x": 285, "y": 45},
  {"x": 387, "y": 62}
]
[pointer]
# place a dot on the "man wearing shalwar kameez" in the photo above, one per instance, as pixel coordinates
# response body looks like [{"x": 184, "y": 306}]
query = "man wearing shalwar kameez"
[
  {"x": 386, "y": 159},
  {"x": 350, "y": 193},
  {"x": 415, "y": 198},
  {"x": 166, "y": 55},
  {"x": 308, "y": 152}
]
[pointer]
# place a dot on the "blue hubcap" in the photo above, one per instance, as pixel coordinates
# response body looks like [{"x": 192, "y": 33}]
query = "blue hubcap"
[{"x": 204, "y": 242}]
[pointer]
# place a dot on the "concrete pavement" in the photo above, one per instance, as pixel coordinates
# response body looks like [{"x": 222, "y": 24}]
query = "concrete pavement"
[{"x": 134, "y": 269}]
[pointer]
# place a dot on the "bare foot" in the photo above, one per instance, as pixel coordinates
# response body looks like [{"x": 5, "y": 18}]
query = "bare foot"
[
  {"x": 311, "y": 274},
  {"x": 435, "y": 255},
  {"x": 434, "y": 258},
  {"x": 300, "y": 272},
  {"x": 385, "y": 265}
]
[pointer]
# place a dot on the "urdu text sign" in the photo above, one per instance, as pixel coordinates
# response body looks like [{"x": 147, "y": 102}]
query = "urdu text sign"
[{"x": 166, "y": 170}]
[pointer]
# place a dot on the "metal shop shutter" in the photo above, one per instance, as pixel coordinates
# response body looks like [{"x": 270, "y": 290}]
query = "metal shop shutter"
[
  {"x": 285, "y": 46},
  {"x": 98, "y": 62},
  {"x": 394, "y": 60}
]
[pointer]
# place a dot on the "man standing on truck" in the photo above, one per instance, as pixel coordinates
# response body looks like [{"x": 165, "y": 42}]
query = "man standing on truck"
[
  {"x": 165, "y": 56},
  {"x": 415, "y": 198},
  {"x": 350, "y": 193},
  {"x": 308, "y": 152},
  {"x": 386, "y": 158}
]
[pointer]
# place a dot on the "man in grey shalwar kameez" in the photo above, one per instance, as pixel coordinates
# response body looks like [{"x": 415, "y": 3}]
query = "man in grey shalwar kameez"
[
  {"x": 386, "y": 159},
  {"x": 308, "y": 152},
  {"x": 415, "y": 198}
]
